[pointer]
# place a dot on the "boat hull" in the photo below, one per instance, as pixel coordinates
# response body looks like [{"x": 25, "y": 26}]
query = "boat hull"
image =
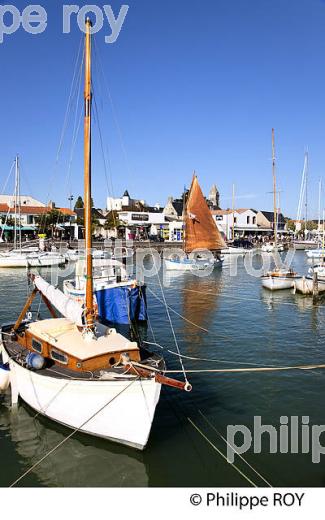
[
  {"x": 305, "y": 286},
  {"x": 190, "y": 265},
  {"x": 234, "y": 251},
  {"x": 121, "y": 411},
  {"x": 316, "y": 253},
  {"x": 276, "y": 283},
  {"x": 31, "y": 261}
]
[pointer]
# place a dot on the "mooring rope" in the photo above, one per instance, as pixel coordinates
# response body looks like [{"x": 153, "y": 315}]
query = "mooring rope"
[
  {"x": 234, "y": 450},
  {"x": 70, "y": 435},
  {"x": 220, "y": 452},
  {"x": 252, "y": 369},
  {"x": 209, "y": 360}
]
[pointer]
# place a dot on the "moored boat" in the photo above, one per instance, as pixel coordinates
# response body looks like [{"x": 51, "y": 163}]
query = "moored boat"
[
  {"x": 203, "y": 241},
  {"x": 305, "y": 285},
  {"x": 73, "y": 369},
  {"x": 279, "y": 279}
]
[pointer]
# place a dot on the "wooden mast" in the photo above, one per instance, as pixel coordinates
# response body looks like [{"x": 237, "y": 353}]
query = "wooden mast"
[
  {"x": 87, "y": 181},
  {"x": 274, "y": 189}
]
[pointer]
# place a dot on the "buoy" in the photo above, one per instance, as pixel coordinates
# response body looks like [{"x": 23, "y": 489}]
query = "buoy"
[
  {"x": 35, "y": 361},
  {"x": 4, "y": 377}
]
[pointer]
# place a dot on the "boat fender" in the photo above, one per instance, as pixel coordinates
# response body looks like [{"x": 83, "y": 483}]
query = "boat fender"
[
  {"x": 4, "y": 376},
  {"x": 35, "y": 361},
  {"x": 188, "y": 387}
]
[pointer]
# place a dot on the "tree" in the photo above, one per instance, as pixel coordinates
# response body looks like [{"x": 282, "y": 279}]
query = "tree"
[
  {"x": 291, "y": 226},
  {"x": 48, "y": 222},
  {"x": 112, "y": 221},
  {"x": 79, "y": 203},
  {"x": 310, "y": 225}
]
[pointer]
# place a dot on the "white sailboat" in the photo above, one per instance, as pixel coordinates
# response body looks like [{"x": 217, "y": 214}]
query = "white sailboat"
[
  {"x": 271, "y": 247},
  {"x": 278, "y": 278},
  {"x": 73, "y": 369},
  {"x": 203, "y": 241},
  {"x": 19, "y": 257}
]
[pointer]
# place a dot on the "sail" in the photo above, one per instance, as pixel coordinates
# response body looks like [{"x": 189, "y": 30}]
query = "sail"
[
  {"x": 66, "y": 306},
  {"x": 201, "y": 231}
]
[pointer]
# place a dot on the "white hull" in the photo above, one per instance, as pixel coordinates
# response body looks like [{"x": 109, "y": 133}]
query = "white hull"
[
  {"x": 234, "y": 251},
  {"x": 302, "y": 246},
  {"x": 316, "y": 253},
  {"x": 121, "y": 411},
  {"x": 42, "y": 260},
  {"x": 319, "y": 269},
  {"x": 191, "y": 265},
  {"x": 305, "y": 285},
  {"x": 271, "y": 248},
  {"x": 276, "y": 283}
]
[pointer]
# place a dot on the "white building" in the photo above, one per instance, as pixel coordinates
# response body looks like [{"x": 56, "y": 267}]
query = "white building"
[
  {"x": 242, "y": 220},
  {"x": 25, "y": 200}
]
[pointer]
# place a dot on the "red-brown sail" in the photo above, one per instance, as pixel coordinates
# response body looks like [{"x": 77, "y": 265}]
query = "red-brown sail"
[{"x": 201, "y": 231}]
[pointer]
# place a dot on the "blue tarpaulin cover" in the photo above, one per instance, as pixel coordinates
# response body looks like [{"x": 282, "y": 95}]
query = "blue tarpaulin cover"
[{"x": 119, "y": 305}]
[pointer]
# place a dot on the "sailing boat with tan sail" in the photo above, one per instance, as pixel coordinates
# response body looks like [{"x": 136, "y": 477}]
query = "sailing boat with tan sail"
[
  {"x": 73, "y": 369},
  {"x": 203, "y": 241}
]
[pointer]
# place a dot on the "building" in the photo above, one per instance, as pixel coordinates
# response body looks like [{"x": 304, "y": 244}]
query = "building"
[
  {"x": 144, "y": 224},
  {"x": 29, "y": 218},
  {"x": 125, "y": 203},
  {"x": 174, "y": 209},
  {"x": 214, "y": 198},
  {"x": 25, "y": 200},
  {"x": 243, "y": 220},
  {"x": 265, "y": 219}
]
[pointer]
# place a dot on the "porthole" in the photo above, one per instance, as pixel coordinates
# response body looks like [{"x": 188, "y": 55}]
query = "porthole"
[
  {"x": 112, "y": 361},
  {"x": 37, "y": 346},
  {"x": 58, "y": 356}
]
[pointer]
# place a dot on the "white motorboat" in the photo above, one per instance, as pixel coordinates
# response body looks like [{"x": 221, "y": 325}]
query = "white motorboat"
[{"x": 319, "y": 269}]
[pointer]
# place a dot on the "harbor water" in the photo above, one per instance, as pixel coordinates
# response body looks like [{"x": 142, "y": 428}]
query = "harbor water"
[{"x": 225, "y": 322}]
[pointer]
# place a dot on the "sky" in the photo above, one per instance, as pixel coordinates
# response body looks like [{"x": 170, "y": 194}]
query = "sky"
[{"x": 186, "y": 86}]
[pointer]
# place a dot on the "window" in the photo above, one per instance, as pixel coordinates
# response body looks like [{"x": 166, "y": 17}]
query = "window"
[
  {"x": 235, "y": 220},
  {"x": 58, "y": 356},
  {"x": 248, "y": 220},
  {"x": 37, "y": 346},
  {"x": 254, "y": 220}
]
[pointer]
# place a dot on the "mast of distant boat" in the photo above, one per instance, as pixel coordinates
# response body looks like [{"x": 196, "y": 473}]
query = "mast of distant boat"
[
  {"x": 274, "y": 190},
  {"x": 17, "y": 207},
  {"x": 233, "y": 212},
  {"x": 319, "y": 205},
  {"x": 87, "y": 181}
]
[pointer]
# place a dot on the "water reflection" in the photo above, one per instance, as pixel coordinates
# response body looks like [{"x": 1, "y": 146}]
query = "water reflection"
[{"x": 80, "y": 461}]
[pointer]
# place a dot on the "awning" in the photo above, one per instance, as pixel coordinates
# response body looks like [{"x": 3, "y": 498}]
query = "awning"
[
  {"x": 6, "y": 228},
  {"x": 28, "y": 228}
]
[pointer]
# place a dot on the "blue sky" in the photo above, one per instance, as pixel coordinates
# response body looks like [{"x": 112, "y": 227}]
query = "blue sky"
[{"x": 195, "y": 86}]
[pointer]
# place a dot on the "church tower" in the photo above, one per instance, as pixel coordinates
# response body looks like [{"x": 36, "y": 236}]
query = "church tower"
[{"x": 214, "y": 197}]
